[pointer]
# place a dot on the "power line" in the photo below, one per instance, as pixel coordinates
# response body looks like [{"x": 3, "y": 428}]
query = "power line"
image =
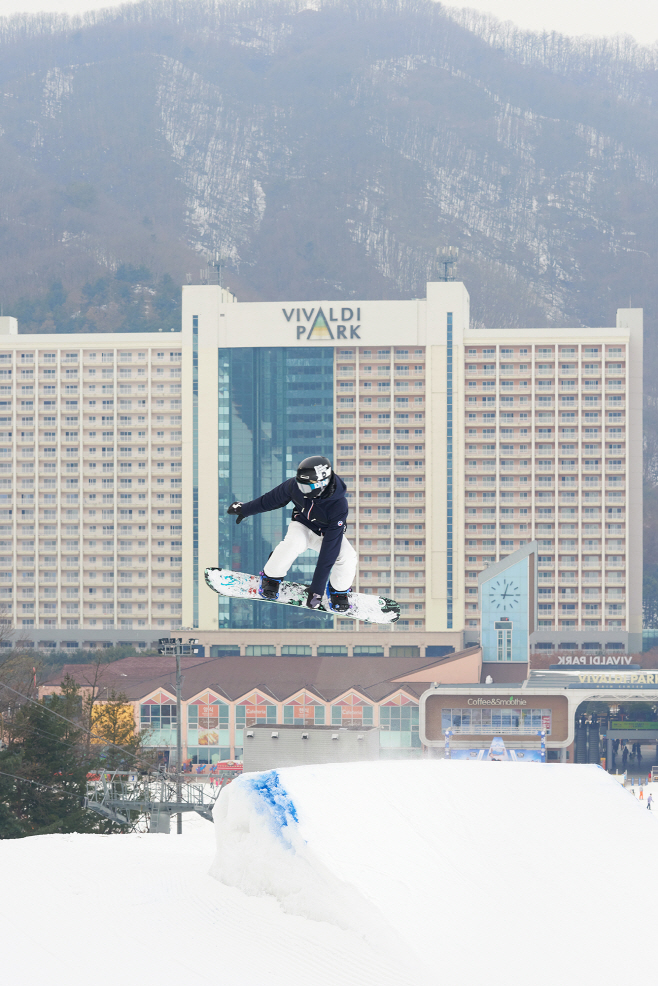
[
  {"x": 71, "y": 746},
  {"x": 95, "y": 735},
  {"x": 43, "y": 732},
  {"x": 27, "y": 780},
  {"x": 70, "y": 721}
]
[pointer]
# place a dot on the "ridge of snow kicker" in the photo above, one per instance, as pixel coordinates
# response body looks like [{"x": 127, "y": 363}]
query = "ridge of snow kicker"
[{"x": 262, "y": 850}]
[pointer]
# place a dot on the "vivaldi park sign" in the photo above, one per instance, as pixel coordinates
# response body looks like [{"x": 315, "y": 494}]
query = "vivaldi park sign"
[
  {"x": 611, "y": 679},
  {"x": 595, "y": 659}
]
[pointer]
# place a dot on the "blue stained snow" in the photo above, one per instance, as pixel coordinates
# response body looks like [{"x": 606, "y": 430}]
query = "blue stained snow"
[{"x": 273, "y": 797}]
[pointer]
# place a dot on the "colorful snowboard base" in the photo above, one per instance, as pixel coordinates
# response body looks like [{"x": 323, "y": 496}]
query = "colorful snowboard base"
[{"x": 239, "y": 585}]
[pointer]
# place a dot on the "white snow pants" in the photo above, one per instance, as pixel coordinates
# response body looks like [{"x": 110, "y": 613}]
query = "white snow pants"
[{"x": 298, "y": 538}]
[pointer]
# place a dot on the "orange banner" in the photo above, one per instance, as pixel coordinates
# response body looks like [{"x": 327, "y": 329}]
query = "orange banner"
[
  {"x": 303, "y": 711},
  {"x": 352, "y": 712}
]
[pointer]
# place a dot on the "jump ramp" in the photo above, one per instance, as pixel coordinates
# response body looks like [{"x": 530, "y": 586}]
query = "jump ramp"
[{"x": 482, "y": 872}]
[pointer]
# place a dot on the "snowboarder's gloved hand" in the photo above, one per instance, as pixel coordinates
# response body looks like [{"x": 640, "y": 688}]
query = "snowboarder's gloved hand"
[
  {"x": 236, "y": 508},
  {"x": 313, "y": 600}
]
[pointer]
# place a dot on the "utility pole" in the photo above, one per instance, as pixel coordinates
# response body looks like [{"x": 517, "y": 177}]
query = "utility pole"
[
  {"x": 179, "y": 735},
  {"x": 174, "y": 646}
]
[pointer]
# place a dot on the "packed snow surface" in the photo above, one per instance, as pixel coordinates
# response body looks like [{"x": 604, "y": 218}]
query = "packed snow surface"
[
  {"x": 491, "y": 872},
  {"x": 369, "y": 874},
  {"x": 143, "y": 909}
]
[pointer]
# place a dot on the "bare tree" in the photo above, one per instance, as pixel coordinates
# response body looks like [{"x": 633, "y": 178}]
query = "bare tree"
[{"x": 19, "y": 670}]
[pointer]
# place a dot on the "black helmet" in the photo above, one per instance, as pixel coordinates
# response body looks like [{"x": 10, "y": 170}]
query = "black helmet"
[{"x": 314, "y": 475}]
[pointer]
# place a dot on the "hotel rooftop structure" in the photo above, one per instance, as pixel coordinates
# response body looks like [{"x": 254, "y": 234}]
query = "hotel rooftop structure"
[{"x": 120, "y": 453}]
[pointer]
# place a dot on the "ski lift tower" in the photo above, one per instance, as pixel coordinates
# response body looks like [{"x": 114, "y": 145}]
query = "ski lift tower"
[
  {"x": 125, "y": 797},
  {"x": 446, "y": 259}
]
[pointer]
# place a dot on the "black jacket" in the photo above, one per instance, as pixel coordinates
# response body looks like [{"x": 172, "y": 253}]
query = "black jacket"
[{"x": 324, "y": 515}]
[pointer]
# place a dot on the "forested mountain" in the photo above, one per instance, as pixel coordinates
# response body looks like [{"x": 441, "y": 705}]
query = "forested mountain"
[{"x": 325, "y": 149}]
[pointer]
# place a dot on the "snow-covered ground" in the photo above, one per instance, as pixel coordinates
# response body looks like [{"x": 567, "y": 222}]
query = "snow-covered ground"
[
  {"x": 76, "y": 909},
  {"x": 368, "y": 874},
  {"x": 490, "y": 872}
]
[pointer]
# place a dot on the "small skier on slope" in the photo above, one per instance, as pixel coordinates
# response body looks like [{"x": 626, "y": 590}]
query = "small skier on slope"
[{"x": 319, "y": 519}]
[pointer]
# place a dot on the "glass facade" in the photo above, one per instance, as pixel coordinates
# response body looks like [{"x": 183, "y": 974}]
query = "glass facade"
[
  {"x": 275, "y": 408},
  {"x": 399, "y": 726},
  {"x": 208, "y": 726},
  {"x": 487, "y": 721},
  {"x": 449, "y": 464},
  {"x": 203, "y": 755},
  {"x": 254, "y": 715},
  {"x": 158, "y": 725},
  {"x": 352, "y": 712},
  {"x": 310, "y": 715},
  {"x": 195, "y": 468}
]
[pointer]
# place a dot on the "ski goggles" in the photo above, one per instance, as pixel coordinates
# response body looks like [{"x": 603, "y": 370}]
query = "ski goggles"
[{"x": 309, "y": 487}]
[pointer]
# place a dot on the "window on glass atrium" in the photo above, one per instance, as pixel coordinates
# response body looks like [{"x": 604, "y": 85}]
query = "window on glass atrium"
[{"x": 158, "y": 717}]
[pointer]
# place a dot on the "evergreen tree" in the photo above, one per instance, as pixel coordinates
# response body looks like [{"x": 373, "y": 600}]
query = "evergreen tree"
[
  {"x": 47, "y": 752},
  {"x": 10, "y": 825}
]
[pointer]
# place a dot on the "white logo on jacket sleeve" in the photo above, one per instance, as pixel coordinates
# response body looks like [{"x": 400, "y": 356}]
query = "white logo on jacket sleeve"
[{"x": 340, "y": 523}]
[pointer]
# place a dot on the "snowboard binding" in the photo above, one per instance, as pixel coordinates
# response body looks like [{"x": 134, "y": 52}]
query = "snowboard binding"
[
  {"x": 338, "y": 601},
  {"x": 269, "y": 587}
]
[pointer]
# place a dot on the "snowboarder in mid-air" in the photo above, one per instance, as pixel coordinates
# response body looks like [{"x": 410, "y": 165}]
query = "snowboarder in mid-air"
[{"x": 319, "y": 519}]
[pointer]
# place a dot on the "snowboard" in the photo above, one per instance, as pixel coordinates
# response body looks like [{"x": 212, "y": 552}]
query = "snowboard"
[{"x": 240, "y": 585}]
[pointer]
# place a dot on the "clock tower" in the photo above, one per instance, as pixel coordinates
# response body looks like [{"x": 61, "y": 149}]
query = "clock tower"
[{"x": 508, "y": 606}]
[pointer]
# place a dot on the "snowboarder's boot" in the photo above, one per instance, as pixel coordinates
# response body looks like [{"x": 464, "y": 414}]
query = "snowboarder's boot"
[
  {"x": 339, "y": 601},
  {"x": 269, "y": 588}
]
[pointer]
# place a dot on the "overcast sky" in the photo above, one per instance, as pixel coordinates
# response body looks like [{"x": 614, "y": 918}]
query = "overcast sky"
[{"x": 599, "y": 17}]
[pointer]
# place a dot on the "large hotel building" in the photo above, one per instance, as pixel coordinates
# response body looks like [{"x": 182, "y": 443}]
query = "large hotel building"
[{"x": 120, "y": 453}]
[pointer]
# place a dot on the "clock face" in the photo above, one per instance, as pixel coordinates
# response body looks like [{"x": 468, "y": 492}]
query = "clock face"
[{"x": 504, "y": 595}]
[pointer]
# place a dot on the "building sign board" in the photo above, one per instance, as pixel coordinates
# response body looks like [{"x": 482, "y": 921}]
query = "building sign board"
[
  {"x": 591, "y": 659},
  {"x": 496, "y": 701},
  {"x": 632, "y": 727},
  {"x": 303, "y": 711},
  {"x": 329, "y": 323},
  {"x": 312, "y": 324},
  {"x": 253, "y": 711},
  {"x": 615, "y": 680},
  {"x": 351, "y": 712}
]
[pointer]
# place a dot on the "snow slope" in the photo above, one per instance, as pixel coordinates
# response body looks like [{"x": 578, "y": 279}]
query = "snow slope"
[
  {"x": 142, "y": 909},
  {"x": 368, "y": 874},
  {"x": 491, "y": 870}
]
